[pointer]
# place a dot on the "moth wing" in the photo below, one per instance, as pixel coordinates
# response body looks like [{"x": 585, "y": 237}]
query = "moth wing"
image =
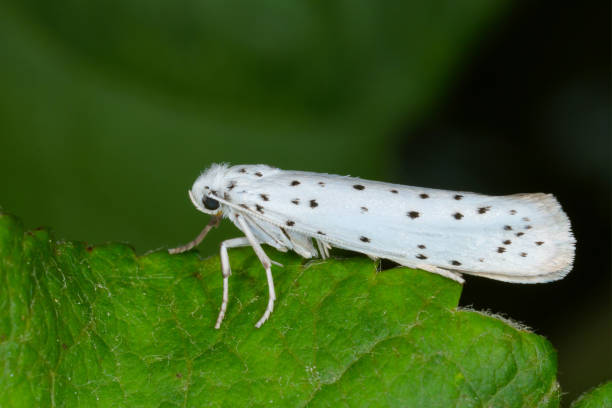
[{"x": 519, "y": 238}]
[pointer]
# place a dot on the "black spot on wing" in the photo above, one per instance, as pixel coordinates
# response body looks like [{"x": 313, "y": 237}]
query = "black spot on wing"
[
  {"x": 295, "y": 201},
  {"x": 483, "y": 210},
  {"x": 507, "y": 228},
  {"x": 455, "y": 263},
  {"x": 457, "y": 196},
  {"x": 246, "y": 207},
  {"x": 364, "y": 239},
  {"x": 358, "y": 187},
  {"x": 519, "y": 234},
  {"x": 259, "y": 208},
  {"x": 295, "y": 183},
  {"x": 265, "y": 197},
  {"x": 321, "y": 233},
  {"x": 421, "y": 256},
  {"x": 313, "y": 203},
  {"x": 231, "y": 185},
  {"x": 528, "y": 227},
  {"x": 394, "y": 191},
  {"x": 258, "y": 174},
  {"x": 507, "y": 242},
  {"x": 243, "y": 170},
  {"x": 512, "y": 212},
  {"x": 538, "y": 243},
  {"x": 413, "y": 214},
  {"x": 424, "y": 196},
  {"x": 290, "y": 223},
  {"x": 458, "y": 215},
  {"x": 523, "y": 254},
  {"x": 421, "y": 246},
  {"x": 501, "y": 250},
  {"x": 322, "y": 184},
  {"x": 364, "y": 210}
]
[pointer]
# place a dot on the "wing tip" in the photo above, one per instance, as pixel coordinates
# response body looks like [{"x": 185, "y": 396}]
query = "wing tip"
[{"x": 562, "y": 261}]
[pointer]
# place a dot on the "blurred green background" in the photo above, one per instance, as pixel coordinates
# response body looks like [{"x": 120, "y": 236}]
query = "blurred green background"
[{"x": 109, "y": 110}]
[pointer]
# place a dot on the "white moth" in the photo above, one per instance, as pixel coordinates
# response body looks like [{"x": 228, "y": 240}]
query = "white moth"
[{"x": 522, "y": 238}]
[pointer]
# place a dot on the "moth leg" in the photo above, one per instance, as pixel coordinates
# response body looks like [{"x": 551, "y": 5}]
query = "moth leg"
[
  {"x": 322, "y": 252},
  {"x": 266, "y": 263},
  {"x": 227, "y": 271},
  {"x": 456, "y": 276},
  {"x": 214, "y": 222},
  {"x": 379, "y": 264},
  {"x": 323, "y": 248}
]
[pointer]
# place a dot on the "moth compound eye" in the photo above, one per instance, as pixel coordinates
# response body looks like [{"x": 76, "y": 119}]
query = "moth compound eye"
[{"x": 210, "y": 203}]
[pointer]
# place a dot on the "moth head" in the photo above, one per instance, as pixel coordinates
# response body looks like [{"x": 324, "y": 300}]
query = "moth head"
[{"x": 207, "y": 188}]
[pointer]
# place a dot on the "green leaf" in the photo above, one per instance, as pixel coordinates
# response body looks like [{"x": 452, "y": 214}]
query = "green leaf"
[
  {"x": 596, "y": 398},
  {"x": 100, "y": 326}
]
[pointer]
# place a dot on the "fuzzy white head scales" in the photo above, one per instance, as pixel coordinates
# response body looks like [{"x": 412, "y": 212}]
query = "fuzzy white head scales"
[{"x": 210, "y": 183}]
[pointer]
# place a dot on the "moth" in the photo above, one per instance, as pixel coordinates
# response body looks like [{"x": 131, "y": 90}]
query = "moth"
[{"x": 521, "y": 238}]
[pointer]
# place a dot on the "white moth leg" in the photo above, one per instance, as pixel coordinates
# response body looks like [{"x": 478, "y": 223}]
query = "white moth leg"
[
  {"x": 227, "y": 271},
  {"x": 443, "y": 272},
  {"x": 323, "y": 249},
  {"x": 214, "y": 222},
  {"x": 266, "y": 263},
  {"x": 322, "y": 253},
  {"x": 451, "y": 275}
]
